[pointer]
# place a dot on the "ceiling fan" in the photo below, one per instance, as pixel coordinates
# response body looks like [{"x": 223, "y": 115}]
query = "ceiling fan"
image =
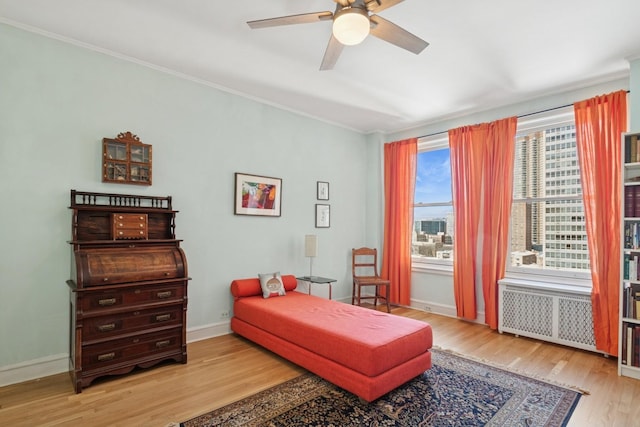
[{"x": 352, "y": 22}]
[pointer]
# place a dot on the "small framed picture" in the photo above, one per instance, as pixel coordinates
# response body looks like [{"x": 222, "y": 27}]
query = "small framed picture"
[
  {"x": 323, "y": 216},
  {"x": 257, "y": 195},
  {"x": 323, "y": 190}
]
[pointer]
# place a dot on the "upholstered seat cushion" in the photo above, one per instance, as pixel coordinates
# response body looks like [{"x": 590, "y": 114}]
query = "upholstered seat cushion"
[{"x": 365, "y": 340}]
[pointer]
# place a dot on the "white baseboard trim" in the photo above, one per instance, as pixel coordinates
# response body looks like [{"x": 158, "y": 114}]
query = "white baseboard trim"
[
  {"x": 211, "y": 330},
  {"x": 442, "y": 309},
  {"x": 34, "y": 369}
]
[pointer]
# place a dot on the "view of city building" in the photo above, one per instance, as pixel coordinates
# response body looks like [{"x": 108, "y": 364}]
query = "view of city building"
[{"x": 547, "y": 219}]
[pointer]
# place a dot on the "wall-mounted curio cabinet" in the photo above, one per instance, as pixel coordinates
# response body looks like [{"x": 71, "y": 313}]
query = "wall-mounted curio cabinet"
[{"x": 126, "y": 160}]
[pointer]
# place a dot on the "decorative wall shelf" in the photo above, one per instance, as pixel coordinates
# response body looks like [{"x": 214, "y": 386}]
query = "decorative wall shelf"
[{"x": 126, "y": 160}]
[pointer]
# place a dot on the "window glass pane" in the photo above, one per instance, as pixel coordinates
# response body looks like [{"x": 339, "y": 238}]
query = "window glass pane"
[
  {"x": 433, "y": 213},
  {"x": 433, "y": 177},
  {"x": 549, "y": 232},
  {"x": 433, "y": 232}
]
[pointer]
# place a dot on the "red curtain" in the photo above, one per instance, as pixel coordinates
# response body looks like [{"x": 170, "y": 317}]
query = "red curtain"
[
  {"x": 399, "y": 184},
  {"x": 600, "y": 121},
  {"x": 465, "y": 146},
  {"x": 482, "y": 181},
  {"x": 497, "y": 198}
]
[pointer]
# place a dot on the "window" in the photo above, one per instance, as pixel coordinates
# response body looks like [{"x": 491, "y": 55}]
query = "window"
[
  {"x": 548, "y": 233},
  {"x": 433, "y": 206},
  {"x": 547, "y": 229}
]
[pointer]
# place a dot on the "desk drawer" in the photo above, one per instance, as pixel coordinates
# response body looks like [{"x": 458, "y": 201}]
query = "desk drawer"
[
  {"x": 129, "y": 226},
  {"x": 97, "y": 302},
  {"x": 121, "y": 350},
  {"x": 134, "y": 321}
]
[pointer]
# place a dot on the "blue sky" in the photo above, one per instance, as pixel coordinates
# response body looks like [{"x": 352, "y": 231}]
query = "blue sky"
[
  {"x": 433, "y": 183},
  {"x": 433, "y": 176}
]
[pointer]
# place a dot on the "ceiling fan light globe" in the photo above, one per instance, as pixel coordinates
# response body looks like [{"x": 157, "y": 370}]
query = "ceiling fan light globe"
[{"x": 351, "y": 26}]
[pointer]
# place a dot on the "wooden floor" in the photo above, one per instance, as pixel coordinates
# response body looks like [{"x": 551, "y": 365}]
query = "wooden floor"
[{"x": 224, "y": 369}]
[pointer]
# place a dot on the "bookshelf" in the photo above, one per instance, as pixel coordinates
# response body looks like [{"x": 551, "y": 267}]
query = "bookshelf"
[{"x": 629, "y": 334}]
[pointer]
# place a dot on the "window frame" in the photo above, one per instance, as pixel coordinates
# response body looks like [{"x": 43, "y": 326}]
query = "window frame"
[{"x": 563, "y": 116}]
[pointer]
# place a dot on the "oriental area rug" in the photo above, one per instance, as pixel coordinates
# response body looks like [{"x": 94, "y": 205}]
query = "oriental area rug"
[{"x": 456, "y": 391}]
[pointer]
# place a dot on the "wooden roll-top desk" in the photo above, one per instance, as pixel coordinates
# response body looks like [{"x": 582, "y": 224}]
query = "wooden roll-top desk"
[{"x": 128, "y": 286}]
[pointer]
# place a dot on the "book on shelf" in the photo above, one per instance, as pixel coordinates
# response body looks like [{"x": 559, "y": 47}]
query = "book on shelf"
[
  {"x": 631, "y": 345},
  {"x": 625, "y": 265},
  {"x": 632, "y": 235},
  {"x": 631, "y": 301},
  {"x": 632, "y": 201},
  {"x": 629, "y": 201},
  {"x": 631, "y": 266},
  {"x": 631, "y": 150}
]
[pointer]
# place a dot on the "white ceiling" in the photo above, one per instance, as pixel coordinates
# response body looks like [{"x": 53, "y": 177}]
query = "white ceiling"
[{"x": 482, "y": 54}]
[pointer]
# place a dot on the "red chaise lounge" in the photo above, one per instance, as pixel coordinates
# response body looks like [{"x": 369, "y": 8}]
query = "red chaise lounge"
[{"x": 364, "y": 351}]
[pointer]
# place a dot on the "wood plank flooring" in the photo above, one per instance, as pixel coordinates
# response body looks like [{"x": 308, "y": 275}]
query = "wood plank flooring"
[{"x": 224, "y": 369}]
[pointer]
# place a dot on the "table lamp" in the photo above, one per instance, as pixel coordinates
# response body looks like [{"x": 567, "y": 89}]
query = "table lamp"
[{"x": 310, "y": 249}]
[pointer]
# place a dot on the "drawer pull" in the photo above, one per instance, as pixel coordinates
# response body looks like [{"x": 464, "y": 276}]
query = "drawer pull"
[
  {"x": 107, "y": 301},
  {"x": 105, "y": 279},
  {"x": 106, "y": 328},
  {"x": 161, "y": 344},
  {"x": 107, "y": 356},
  {"x": 164, "y": 294},
  {"x": 163, "y": 317}
]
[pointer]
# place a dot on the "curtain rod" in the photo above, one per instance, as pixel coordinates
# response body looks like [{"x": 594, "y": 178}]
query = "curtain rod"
[{"x": 520, "y": 116}]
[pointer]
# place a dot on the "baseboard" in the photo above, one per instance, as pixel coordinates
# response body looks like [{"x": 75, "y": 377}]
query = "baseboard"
[
  {"x": 34, "y": 369},
  {"x": 442, "y": 309},
  {"x": 208, "y": 331}
]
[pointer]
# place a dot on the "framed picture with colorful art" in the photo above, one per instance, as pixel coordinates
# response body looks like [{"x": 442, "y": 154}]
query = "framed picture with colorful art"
[{"x": 257, "y": 195}]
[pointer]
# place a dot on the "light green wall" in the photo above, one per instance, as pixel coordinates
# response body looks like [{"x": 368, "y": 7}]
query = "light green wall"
[{"x": 57, "y": 102}]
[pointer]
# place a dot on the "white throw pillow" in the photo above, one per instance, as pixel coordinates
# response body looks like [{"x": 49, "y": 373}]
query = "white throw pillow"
[{"x": 271, "y": 284}]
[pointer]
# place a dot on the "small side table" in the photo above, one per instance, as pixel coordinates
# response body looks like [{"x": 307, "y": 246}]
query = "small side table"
[{"x": 317, "y": 279}]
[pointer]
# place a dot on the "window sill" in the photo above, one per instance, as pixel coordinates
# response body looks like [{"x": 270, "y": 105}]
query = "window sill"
[{"x": 432, "y": 267}]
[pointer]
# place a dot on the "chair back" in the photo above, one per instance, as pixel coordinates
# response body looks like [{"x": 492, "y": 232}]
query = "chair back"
[{"x": 364, "y": 262}]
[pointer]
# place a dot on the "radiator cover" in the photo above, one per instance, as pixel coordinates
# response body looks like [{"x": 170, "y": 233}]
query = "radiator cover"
[{"x": 547, "y": 312}]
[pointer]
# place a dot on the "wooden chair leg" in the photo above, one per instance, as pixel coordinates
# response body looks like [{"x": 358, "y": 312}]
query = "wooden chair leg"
[
  {"x": 375, "y": 299},
  {"x": 353, "y": 293},
  {"x": 387, "y": 298}
]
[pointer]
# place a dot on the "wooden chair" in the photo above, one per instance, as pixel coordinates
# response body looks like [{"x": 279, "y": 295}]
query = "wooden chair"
[{"x": 364, "y": 268}]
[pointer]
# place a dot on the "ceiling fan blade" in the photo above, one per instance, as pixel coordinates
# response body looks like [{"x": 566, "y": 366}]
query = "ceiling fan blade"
[
  {"x": 331, "y": 54},
  {"x": 378, "y": 5},
  {"x": 305, "y": 18},
  {"x": 390, "y": 32}
]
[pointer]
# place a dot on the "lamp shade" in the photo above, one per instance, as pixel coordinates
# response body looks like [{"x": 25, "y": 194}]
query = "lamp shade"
[
  {"x": 311, "y": 245},
  {"x": 351, "y": 25}
]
